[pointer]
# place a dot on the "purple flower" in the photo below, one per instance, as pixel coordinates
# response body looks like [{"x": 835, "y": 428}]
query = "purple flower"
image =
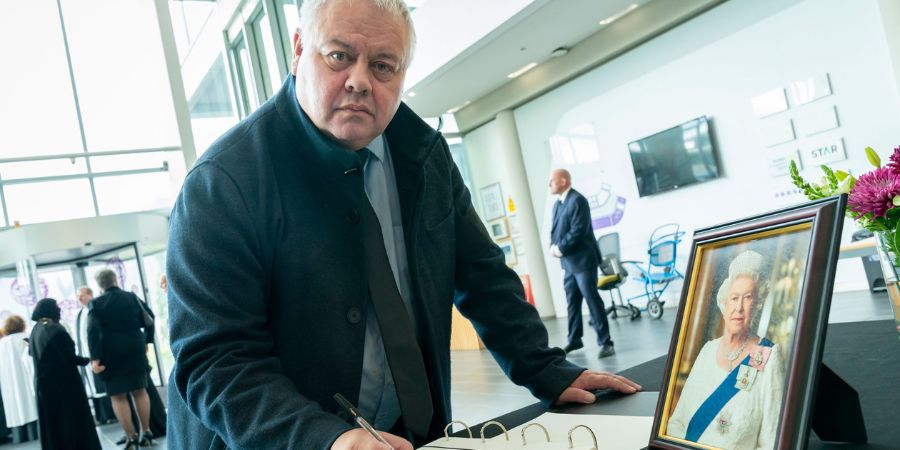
[
  {"x": 895, "y": 161},
  {"x": 874, "y": 191}
]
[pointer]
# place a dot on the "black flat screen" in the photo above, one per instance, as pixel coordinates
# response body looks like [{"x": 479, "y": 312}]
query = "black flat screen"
[{"x": 677, "y": 157}]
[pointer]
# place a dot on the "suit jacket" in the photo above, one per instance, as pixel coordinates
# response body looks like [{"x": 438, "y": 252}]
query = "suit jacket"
[
  {"x": 116, "y": 334},
  {"x": 267, "y": 285},
  {"x": 573, "y": 233}
]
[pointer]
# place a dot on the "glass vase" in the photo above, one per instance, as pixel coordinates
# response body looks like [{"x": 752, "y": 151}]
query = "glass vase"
[{"x": 890, "y": 266}]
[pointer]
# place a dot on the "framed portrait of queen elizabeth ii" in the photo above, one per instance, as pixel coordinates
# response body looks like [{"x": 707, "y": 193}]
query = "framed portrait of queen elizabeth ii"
[{"x": 747, "y": 343}]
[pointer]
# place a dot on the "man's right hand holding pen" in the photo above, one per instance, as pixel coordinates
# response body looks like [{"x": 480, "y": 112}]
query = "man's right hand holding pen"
[{"x": 359, "y": 439}]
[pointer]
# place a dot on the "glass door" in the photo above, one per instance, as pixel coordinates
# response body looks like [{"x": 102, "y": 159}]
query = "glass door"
[
  {"x": 129, "y": 267},
  {"x": 60, "y": 280}
]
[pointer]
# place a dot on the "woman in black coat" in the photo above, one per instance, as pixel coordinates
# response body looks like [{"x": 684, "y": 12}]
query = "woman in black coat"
[
  {"x": 64, "y": 416},
  {"x": 118, "y": 338}
]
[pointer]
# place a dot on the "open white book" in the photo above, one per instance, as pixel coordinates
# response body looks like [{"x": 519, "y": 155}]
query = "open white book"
[{"x": 553, "y": 431}]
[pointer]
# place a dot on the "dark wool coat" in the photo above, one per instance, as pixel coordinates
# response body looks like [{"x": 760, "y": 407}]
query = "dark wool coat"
[
  {"x": 64, "y": 416},
  {"x": 116, "y": 334},
  {"x": 267, "y": 289}
]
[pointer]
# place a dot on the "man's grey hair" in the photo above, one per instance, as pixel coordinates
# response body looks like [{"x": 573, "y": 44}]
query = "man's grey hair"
[
  {"x": 309, "y": 11},
  {"x": 106, "y": 279},
  {"x": 86, "y": 289}
]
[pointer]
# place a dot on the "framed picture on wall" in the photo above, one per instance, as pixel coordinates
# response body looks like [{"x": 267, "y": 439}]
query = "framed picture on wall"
[
  {"x": 747, "y": 345},
  {"x": 509, "y": 250},
  {"x": 492, "y": 202},
  {"x": 499, "y": 228}
]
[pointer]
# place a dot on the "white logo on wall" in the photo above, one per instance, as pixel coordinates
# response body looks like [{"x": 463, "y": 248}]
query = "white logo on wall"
[
  {"x": 824, "y": 153},
  {"x": 607, "y": 208}
]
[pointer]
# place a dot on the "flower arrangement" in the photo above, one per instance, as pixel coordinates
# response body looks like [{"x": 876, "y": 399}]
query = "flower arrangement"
[{"x": 874, "y": 200}]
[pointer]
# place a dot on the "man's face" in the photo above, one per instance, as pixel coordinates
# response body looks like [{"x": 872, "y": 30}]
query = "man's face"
[
  {"x": 557, "y": 184},
  {"x": 84, "y": 297},
  {"x": 349, "y": 82}
]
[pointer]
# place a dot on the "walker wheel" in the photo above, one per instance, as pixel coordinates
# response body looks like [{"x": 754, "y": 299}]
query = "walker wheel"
[
  {"x": 635, "y": 312},
  {"x": 655, "y": 309}
]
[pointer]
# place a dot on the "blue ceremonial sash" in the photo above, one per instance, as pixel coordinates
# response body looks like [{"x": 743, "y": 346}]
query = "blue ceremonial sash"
[{"x": 717, "y": 400}]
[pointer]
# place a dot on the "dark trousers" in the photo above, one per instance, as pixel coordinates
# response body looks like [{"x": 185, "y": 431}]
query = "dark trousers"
[{"x": 583, "y": 285}]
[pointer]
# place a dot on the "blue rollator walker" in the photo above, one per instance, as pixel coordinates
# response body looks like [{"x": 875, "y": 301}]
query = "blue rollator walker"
[{"x": 659, "y": 270}]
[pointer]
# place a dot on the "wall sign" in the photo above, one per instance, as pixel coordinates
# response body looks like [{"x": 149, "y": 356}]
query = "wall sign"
[
  {"x": 810, "y": 89},
  {"x": 769, "y": 103},
  {"x": 780, "y": 161},
  {"x": 825, "y": 153},
  {"x": 818, "y": 119},
  {"x": 776, "y": 131}
]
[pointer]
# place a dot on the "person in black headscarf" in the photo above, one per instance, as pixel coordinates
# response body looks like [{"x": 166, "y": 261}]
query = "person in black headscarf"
[{"x": 64, "y": 416}]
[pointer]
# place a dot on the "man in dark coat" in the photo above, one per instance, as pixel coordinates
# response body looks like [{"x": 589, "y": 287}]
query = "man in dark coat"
[
  {"x": 275, "y": 301},
  {"x": 64, "y": 416},
  {"x": 572, "y": 241}
]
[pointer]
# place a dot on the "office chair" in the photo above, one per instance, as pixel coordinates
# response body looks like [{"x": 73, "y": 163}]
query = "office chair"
[{"x": 612, "y": 275}]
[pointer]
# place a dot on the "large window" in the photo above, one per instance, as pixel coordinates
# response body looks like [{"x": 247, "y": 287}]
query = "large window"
[
  {"x": 87, "y": 85},
  {"x": 259, "y": 50},
  {"x": 227, "y": 78},
  {"x": 33, "y": 30}
]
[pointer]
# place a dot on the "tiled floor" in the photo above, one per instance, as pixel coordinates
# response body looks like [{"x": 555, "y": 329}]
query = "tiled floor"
[{"x": 481, "y": 391}]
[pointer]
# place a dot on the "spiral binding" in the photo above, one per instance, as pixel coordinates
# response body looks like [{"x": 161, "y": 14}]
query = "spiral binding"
[{"x": 468, "y": 429}]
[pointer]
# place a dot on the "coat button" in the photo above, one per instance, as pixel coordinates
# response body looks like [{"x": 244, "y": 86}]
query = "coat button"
[
  {"x": 354, "y": 315},
  {"x": 353, "y": 216}
]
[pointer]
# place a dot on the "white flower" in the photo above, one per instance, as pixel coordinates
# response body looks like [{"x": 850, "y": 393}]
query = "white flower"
[{"x": 847, "y": 183}]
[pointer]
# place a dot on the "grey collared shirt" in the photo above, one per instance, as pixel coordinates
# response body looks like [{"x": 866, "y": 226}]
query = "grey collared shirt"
[{"x": 378, "y": 401}]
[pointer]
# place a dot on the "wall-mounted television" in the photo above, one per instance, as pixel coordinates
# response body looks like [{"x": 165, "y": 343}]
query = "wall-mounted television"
[{"x": 674, "y": 158}]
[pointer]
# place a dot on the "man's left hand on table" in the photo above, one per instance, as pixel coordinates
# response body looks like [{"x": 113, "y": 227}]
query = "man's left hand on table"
[{"x": 582, "y": 389}]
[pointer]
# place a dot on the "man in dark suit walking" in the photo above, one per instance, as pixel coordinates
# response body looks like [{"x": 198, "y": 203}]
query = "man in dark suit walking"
[{"x": 572, "y": 241}]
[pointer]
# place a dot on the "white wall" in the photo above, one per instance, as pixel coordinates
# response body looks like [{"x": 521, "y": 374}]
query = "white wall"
[
  {"x": 493, "y": 158},
  {"x": 713, "y": 65}
]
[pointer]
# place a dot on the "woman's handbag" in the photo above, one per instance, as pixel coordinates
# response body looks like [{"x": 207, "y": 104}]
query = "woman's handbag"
[{"x": 146, "y": 319}]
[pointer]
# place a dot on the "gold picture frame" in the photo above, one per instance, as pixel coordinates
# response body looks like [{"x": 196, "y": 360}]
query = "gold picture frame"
[{"x": 746, "y": 348}]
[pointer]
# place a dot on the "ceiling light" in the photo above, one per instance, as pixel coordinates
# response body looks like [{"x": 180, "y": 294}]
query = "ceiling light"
[
  {"x": 559, "y": 51},
  {"x": 618, "y": 15},
  {"x": 411, "y": 94},
  {"x": 454, "y": 110},
  {"x": 528, "y": 67}
]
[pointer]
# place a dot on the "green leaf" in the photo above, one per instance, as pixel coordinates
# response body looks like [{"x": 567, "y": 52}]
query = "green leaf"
[
  {"x": 830, "y": 177},
  {"x": 896, "y": 240},
  {"x": 811, "y": 192},
  {"x": 840, "y": 174},
  {"x": 893, "y": 214},
  {"x": 873, "y": 157}
]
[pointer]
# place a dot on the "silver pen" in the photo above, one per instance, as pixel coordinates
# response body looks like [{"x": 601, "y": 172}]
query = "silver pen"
[{"x": 359, "y": 419}]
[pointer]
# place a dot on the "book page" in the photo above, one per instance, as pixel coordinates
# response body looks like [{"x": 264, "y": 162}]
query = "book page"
[{"x": 612, "y": 433}]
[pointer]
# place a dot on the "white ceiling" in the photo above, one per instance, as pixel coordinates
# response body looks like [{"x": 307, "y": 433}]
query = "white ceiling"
[{"x": 528, "y": 36}]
